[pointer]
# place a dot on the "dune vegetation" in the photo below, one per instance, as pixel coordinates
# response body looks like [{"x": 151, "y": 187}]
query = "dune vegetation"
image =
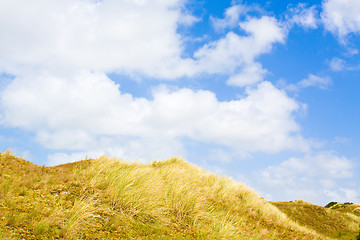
[
  {"x": 107, "y": 198},
  {"x": 338, "y": 223}
]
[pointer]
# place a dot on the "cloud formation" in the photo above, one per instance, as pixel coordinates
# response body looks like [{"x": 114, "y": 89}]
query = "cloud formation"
[
  {"x": 311, "y": 81},
  {"x": 237, "y": 54},
  {"x": 60, "y": 72},
  {"x": 320, "y": 178},
  {"x": 315, "y": 81},
  {"x": 128, "y": 37},
  {"x": 337, "y": 64},
  {"x": 89, "y": 110},
  {"x": 125, "y": 36},
  {"x": 341, "y": 17},
  {"x": 231, "y": 17},
  {"x": 303, "y": 16}
]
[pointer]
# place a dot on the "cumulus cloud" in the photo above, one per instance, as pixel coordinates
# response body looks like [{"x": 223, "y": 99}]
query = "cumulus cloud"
[
  {"x": 252, "y": 73},
  {"x": 87, "y": 109},
  {"x": 231, "y": 17},
  {"x": 318, "y": 177},
  {"x": 341, "y": 17},
  {"x": 60, "y": 89},
  {"x": 237, "y": 54},
  {"x": 128, "y": 37},
  {"x": 125, "y": 36}
]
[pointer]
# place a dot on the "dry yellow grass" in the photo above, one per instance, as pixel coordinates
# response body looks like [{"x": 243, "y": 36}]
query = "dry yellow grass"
[
  {"x": 329, "y": 222},
  {"x": 107, "y": 198}
]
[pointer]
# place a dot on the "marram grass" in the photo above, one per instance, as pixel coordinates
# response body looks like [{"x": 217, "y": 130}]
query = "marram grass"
[{"x": 107, "y": 198}]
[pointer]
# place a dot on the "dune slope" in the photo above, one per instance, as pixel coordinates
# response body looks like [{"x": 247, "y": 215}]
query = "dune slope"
[{"x": 107, "y": 198}]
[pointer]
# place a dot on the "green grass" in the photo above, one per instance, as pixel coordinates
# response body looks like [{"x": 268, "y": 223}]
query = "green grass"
[{"x": 107, "y": 198}]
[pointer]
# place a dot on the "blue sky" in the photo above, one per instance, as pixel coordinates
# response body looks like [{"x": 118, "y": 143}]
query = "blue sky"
[{"x": 264, "y": 92}]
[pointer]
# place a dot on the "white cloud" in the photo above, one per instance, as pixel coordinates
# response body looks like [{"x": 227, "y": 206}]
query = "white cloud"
[
  {"x": 315, "y": 81},
  {"x": 125, "y": 36},
  {"x": 315, "y": 177},
  {"x": 251, "y": 74},
  {"x": 231, "y": 17},
  {"x": 337, "y": 64},
  {"x": 188, "y": 19},
  {"x": 236, "y": 54},
  {"x": 128, "y": 37},
  {"x": 344, "y": 195},
  {"x": 220, "y": 155},
  {"x": 311, "y": 81},
  {"x": 341, "y": 17},
  {"x": 74, "y": 139},
  {"x": 71, "y": 104},
  {"x": 303, "y": 16},
  {"x": 265, "y": 31},
  {"x": 87, "y": 109},
  {"x": 141, "y": 149}
]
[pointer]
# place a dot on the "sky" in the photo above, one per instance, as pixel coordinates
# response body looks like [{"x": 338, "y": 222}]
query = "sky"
[{"x": 263, "y": 92}]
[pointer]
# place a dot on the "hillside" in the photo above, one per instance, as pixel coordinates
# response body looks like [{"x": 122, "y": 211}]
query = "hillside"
[
  {"x": 334, "y": 223},
  {"x": 110, "y": 199}
]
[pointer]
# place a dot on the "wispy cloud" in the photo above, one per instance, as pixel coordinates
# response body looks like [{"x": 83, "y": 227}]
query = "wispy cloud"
[
  {"x": 311, "y": 81},
  {"x": 303, "y": 16},
  {"x": 337, "y": 64},
  {"x": 315, "y": 81}
]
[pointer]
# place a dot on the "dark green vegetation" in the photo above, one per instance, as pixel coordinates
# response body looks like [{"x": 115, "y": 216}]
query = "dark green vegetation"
[{"x": 110, "y": 199}]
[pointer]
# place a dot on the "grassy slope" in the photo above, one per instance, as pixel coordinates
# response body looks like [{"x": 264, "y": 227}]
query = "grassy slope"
[
  {"x": 110, "y": 199},
  {"x": 347, "y": 208},
  {"x": 333, "y": 223}
]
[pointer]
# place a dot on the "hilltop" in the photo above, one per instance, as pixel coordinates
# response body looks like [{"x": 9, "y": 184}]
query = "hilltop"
[{"x": 107, "y": 198}]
